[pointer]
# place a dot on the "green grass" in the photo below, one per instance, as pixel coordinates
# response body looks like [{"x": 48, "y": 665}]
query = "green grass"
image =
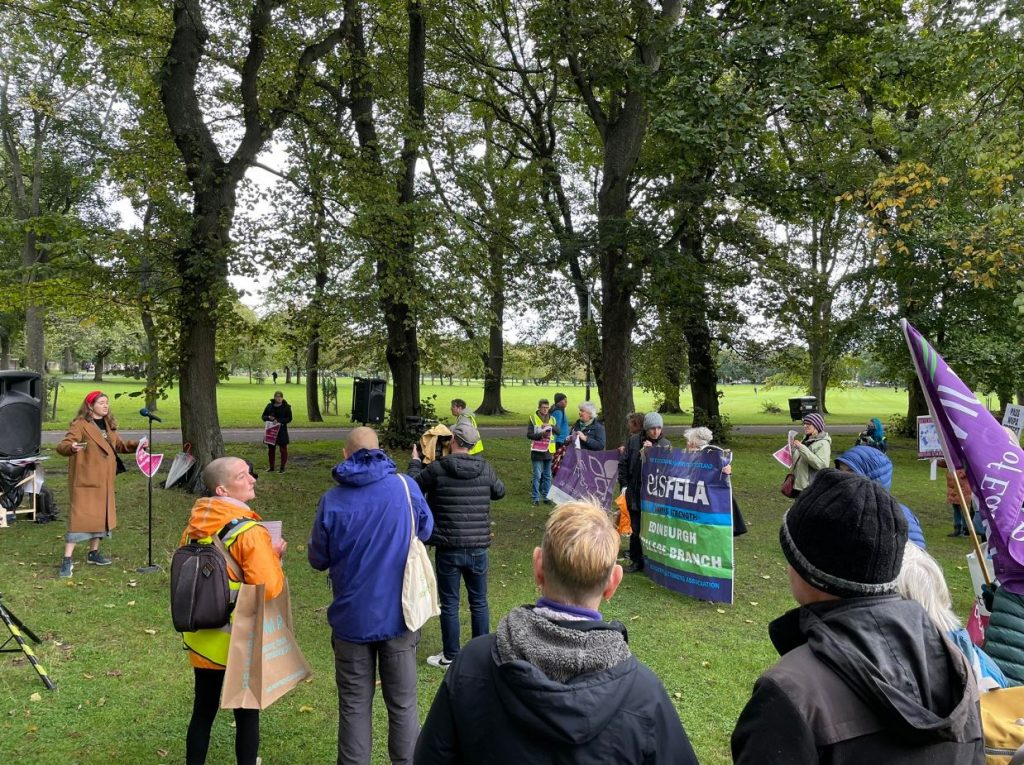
[
  {"x": 240, "y": 403},
  {"x": 125, "y": 694}
]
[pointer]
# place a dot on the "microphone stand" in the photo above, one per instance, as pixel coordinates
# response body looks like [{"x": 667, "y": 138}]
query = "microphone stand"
[{"x": 151, "y": 568}]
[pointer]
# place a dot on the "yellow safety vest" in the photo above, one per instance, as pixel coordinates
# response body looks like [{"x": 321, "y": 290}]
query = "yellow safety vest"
[
  {"x": 539, "y": 423},
  {"x": 479, "y": 445},
  {"x": 212, "y": 644}
]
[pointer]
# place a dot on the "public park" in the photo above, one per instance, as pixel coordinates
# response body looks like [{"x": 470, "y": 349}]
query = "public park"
[{"x": 645, "y": 269}]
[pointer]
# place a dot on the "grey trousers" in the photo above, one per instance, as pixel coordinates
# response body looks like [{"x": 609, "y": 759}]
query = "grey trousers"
[{"x": 355, "y": 671}]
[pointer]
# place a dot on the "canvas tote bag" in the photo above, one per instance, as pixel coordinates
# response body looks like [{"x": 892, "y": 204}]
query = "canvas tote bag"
[
  {"x": 264, "y": 661},
  {"x": 419, "y": 586}
]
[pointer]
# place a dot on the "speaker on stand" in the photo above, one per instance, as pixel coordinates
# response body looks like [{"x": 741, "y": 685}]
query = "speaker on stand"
[
  {"x": 368, "y": 395},
  {"x": 21, "y": 414}
]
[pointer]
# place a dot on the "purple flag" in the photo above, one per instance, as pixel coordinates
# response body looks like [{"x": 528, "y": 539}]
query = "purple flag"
[
  {"x": 586, "y": 475},
  {"x": 973, "y": 440}
]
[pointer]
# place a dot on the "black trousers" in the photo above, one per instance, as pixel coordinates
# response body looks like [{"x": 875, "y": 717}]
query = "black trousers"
[{"x": 204, "y": 711}]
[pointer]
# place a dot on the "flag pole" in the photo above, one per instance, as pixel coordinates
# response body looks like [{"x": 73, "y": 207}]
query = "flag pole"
[{"x": 945, "y": 453}]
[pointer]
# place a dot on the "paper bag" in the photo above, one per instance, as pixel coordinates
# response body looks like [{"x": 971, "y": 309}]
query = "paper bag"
[{"x": 264, "y": 661}]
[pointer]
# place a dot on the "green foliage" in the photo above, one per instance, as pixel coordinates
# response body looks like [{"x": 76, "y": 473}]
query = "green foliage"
[{"x": 770, "y": 407}]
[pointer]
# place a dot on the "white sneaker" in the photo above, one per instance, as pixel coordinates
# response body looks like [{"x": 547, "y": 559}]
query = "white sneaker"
[{"x": 438, "y": 660}]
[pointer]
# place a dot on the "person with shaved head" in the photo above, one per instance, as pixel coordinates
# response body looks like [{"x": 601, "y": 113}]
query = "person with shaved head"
[{"x": 361, "y": 535}]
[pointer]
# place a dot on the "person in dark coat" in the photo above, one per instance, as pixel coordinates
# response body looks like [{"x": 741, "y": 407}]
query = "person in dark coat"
[
  {"x": 280, "y": 411},
  {"x": 556, "y": 683},
  {"x": 630, "y": 469},
  {"x": 588, "y": 432},
  {"x": 459, "y": 488},
  {"x": 864, "y": 675}
]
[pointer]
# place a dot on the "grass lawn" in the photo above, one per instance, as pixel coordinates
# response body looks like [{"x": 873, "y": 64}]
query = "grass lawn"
[
  {"x": 125, "y": 685},
  {"x": 240, "y": 403}
]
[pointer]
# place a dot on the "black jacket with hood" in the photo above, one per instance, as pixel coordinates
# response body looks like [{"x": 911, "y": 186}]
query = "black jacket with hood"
[
  {"x": 543, "y": 690},
  {"x": 631, "y": 464},
  {"x": 861, "y": 681},
  {"x": 459, "y": 489}
]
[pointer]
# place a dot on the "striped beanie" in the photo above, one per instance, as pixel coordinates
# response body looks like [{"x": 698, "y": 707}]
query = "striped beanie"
[{"x": 816, "y": 421}]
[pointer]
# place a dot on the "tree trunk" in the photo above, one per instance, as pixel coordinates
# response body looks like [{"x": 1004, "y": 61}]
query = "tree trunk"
[
  {"x": 494, "y": 358},
  {"x": 98, "y": 361},
  {"x": 818, "y": 377},
  {"x": 313, "y": 380},
  {"x": 152, "y": 360},
  {"x": 197, "y": 373},
  {"x": 917, "y": 405},
  {"x": 67, "y": 364},
  {"x": 5, "y": 351}
]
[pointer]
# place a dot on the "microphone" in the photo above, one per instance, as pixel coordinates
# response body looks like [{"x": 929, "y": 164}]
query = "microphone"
[{"x": 146, "y": 413}]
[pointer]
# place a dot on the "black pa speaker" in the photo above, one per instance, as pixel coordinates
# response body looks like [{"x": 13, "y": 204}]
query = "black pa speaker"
[
  {"x": 21, "y": 414},
  {"x": 368, "y": 400}
]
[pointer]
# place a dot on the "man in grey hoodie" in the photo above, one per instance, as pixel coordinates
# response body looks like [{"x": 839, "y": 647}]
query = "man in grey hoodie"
[{"x": 556, "y": 683}]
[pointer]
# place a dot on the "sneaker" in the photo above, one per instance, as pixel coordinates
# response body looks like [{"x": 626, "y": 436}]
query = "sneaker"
[
  {"x": 536, "y": 502},
  {"x": 438, "y": 660},
  {"x": 281, "y": 470},
  {"x": 635, "y": 568},
  {"x": 96, "y": 558},
  {"x": 955, "y": 533},
  {"x": 66, "y": 567}
]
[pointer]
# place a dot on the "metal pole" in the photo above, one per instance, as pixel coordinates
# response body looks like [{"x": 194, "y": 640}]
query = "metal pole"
[{"x": 150, "y": 568}]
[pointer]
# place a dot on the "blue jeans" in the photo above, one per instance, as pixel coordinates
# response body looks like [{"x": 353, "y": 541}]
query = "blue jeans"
[
  {"x": 469, "y": 564},
  {"x": 541, "y": 479}
]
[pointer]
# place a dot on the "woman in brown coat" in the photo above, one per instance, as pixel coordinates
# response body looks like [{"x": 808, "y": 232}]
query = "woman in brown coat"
[{"x": 91, "y": 443}]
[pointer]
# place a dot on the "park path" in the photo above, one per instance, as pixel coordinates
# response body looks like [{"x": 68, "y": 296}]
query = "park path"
[{"x": 255, "y": 435}]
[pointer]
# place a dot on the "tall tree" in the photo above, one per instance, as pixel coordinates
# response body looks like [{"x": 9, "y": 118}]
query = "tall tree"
[{"x": 267, "y": 48}]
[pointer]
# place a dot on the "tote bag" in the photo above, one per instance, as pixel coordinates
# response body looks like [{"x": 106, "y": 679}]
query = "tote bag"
[
  {"x": 419, "y": 585},
  {"x": 264, "y": 661}
]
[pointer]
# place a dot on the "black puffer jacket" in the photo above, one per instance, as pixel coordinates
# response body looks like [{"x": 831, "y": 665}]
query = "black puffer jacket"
[{"x": 459, "y": 489}]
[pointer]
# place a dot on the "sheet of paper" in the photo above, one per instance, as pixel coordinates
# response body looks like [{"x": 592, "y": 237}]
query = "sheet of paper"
[
  {"x": 274, "y": 527},
  {"x": 785, "y": 456}
]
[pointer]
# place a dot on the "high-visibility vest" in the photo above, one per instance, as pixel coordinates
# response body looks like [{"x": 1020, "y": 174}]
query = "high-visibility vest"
[
  {"x": 539, "y": 423},
  {"x": 213, "y": 644},
  {"x": 479, "y": 445}
]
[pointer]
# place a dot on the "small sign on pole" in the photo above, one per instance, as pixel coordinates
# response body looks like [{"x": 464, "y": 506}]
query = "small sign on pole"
[{"x": 1013, "y": 418}]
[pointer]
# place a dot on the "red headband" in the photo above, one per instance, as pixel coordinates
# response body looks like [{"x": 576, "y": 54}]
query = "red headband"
[{"x": 90, "y": 399}]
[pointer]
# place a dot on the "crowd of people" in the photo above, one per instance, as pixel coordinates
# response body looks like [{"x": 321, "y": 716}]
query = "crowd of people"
[{"x": 874, "y": 665}]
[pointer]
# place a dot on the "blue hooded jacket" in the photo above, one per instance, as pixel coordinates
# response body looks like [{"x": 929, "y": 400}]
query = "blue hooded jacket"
[
  {"x": 871, "y": 463},
  {"x": 362, "y": 533}
]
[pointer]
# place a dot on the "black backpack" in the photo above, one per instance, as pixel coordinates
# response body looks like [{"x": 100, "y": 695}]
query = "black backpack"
[{"x": 200, "y": 595}]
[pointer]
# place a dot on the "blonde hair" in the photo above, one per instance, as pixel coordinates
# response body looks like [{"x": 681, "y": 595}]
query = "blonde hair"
[
  {"x": 579, "y": 550},
  {"x": 921, "y": 579}
]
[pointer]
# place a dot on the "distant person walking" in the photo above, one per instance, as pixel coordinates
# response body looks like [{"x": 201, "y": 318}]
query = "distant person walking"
[
  {"x": 92, "y": 443},
  {"x": 280, "y": 412}
]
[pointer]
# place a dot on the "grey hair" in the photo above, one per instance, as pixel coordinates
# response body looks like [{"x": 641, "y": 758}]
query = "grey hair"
[
  {"x": 589, "y": 406},
  {"x": 921, "y": 579},
  {"x": 702, "y": 436}
]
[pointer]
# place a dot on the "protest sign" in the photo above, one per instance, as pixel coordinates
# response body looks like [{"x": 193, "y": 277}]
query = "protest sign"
[
  {"x": 785, "y": 456},
  {"x": 1013, "y": 418},
  {"x": 586, "y": 475},
  {"x": 148, "y": 463},
  {"x": 686, "y": 522},
  {"x": 928, "y": 445}
]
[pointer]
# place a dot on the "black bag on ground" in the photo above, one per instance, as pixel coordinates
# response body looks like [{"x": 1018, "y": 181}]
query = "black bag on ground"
[{"x": 201, "y": 597}]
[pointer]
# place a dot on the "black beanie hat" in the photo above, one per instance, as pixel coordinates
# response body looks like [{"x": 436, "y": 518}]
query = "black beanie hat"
[{"x": 845, "y": 535}]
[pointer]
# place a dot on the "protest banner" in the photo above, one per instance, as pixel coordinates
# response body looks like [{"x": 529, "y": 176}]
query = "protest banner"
[
  {"x": 972, "y": 440},
  {"x": 686, "y": 522},
  {"x": 586, "y": 475}
]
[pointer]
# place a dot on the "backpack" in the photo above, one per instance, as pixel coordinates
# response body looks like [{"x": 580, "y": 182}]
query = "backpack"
[{"x": 201, "y": 597}]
